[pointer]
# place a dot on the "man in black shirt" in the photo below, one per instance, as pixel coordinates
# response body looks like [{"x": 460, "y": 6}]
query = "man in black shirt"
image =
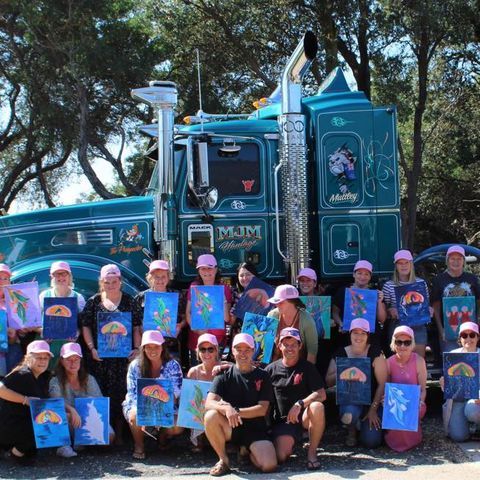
[
  {"x": 299, "y": 392},
  {"x": 236, "y": 407}
]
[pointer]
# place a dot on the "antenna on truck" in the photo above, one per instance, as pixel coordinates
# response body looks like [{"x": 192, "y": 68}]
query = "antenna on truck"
[{"x": 199, "y": 79}]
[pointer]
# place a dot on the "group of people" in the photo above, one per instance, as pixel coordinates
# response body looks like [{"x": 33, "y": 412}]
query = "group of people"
[{"x": 264, "y": 409}]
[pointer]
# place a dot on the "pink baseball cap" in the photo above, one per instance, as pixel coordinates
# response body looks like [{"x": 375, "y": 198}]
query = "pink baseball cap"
[
  {"x": 468, "y": 326},
  {"x": 360, "y": 323},
  {"x": 290, "y": 332},
  {"x": 403, "y": 255},
  {"x": 39, "y": 346},
  {"x": 159, "y": 265},
  {"x": 243, "y": 338},
  {"x": 365, "y": 264},
  {"x": 152, "y": 337},
  {"x": 404, "y": 330},
  {"x": 206, "y": 260},
  {"x": 207, "y": 338},
  {"x": 456, "y": 249},
  {"x": 307, "y": 272},
  {"x": 60, "y": 266},
  {"x": 109, "y": 270},
  {"x": 283, "y": 292},
  {"x": 70, "y": 349},
  {"x": 5, "y": 269}
]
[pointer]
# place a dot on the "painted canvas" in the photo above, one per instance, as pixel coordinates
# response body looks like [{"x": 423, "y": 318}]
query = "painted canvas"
[
  {"x": 23, "y": 306},
  {"x": 192, "y": 403},
  {"x": 160, "y": 312},
  {"x": 207, "y": 307},
  {"x": 401, "y": 408},
  {"x": 114, "y": 334},
  {"x": 320, "y": 309},
  {"x": 460, "y": 373},
  {"x": 50, "y": 425},
  {"x": 353, "y": 381},
  {"x": 360, "y": 303},
  {"x": 457, "y": 310},
  {"x": 263, "y": 330},
  {"x": 254, "y": 299},
  {"x": 412, "y": 304},
  {"x": 95, "y": 413},
  {"x": 60, "y": 318},
  {"x": 3, "y": 331},
  {"x": 155, "y": 402}
]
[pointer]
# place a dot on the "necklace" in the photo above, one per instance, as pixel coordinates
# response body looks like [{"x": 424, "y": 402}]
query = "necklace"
[{"x": 283, "y": 321}]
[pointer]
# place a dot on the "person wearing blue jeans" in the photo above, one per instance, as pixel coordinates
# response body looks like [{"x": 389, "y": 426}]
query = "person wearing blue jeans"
[{"x": 363, "y": 422}]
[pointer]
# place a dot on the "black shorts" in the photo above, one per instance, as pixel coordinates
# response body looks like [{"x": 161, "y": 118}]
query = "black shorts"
[
  {"x": 294, "y": 430},
  {"x": 245, "y": 435}
]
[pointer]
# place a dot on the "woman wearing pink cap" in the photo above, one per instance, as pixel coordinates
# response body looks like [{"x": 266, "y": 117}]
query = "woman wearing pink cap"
[
  {"x": 404, "y": 274},
  {"x": 208, "y": 274},
  {"x": 368, "y": 417},
  {"x": 72, "y": 381},
  {"x": 461, "y": 418},
  {"x": 453, "y": 282},
  {"x": 153, "y": 361},
  {"x": 405, "y": 366},
  {"x": 110, "y": 372},
  {"x": 290, "y": 312},
  {"x": 158, "y": 278},
  {"x": 26, "y": 381}
]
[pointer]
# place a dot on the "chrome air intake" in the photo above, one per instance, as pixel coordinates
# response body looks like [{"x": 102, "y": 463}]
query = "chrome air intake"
[{"x": 293, "y": 156}]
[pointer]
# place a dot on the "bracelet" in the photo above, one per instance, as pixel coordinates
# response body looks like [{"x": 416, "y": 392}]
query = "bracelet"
[
  {"x": 374, "y": 404},
  {"x": 25, "y": 400},
  {"x": 89, "y": 344}
]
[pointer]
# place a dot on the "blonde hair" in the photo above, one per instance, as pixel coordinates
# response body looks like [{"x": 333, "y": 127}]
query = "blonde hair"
[
  {"x": 70, "y": 280},
  {"x": 411, "y": 278},
  {"x": 149, "y": 277},
  {"x": 393, "y": 346},
  {"x": 100, "y": 284},
  {"x": 217, "y": 357}
]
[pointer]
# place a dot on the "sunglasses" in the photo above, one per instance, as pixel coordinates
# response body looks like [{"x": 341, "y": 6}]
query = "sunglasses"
[
  {"x": 399, "y": 343},
  {"x": 207, "y": 349},
  {"x": 468, "y": 335}
]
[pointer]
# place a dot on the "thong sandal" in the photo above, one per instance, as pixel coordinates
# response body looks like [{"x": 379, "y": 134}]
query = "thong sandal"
[
  {"x": 313, "y": 465},
  {"x": 219, "y": 469},
  {"x": 138, "y": 455}
]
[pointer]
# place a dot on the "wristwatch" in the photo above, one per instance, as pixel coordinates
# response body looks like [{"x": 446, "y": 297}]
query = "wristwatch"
[{"x": 301, "y": 403}]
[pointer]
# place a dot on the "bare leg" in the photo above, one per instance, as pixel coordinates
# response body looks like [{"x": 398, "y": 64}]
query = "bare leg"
[
  {"x": 263, "y": 456},
  {"x": 138, "y": 436},
  {"x": 313, "y": 420},
  {"x": 218, "y": 432},
  {"x": 284, "y": 447},
  {"x": 420, "y": 350}
]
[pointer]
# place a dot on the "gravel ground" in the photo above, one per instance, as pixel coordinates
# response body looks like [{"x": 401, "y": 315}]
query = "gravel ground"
[{"x": 116, "y": 462}]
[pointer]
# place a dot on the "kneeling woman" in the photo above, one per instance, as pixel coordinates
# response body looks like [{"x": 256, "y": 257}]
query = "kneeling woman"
[
  {"x": 366, "y": 417},
  {"x": 409, "y": 368},
  {"x": 153, "y": 362},
  {"x": 27, "y": 380}
]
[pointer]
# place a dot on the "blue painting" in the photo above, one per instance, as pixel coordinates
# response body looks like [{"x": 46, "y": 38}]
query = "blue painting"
[
  {"x": 263, "y": 330},
  {"x": 192, "y": 403},
  {"x": 360, "y": 303},
  {"x": 320, "y": 309},
  {"x": 457, "y": 310},
  {"x": 401, "y": 407},
  {"x": 354, "y": 381},
  {"x": 95, "y": 413},
  {"x": 114, "y": 334},
  {"x": 160, "y": 313},
  {"x": 23, "y": 305},
  {"x": 254, "y": 299},
  {"x": 50, "y": 425},
  {"x": 460, "y": 373},
  {"x": 412, "y": 304},
  {"x": 60, "y": 318},
  {"x": 155, "y": 402},
  {"x": 3, "y": 331},
  {"x": 207, "y": 307}
]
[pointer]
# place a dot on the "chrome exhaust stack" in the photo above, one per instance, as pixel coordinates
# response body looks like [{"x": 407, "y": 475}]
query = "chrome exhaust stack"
[{"x": 293, "y": 157}]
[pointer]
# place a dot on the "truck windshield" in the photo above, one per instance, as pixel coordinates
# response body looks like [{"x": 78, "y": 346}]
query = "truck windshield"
[{"x": 177, "y": 159}]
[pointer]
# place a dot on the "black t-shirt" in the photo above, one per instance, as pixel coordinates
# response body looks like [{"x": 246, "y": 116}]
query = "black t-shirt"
[
  {"x": 444, "y": 285},
  {"x": 291, "y": 384},
  {"x": 24, "y": 382},
  {"x": 243, "y": 390}
]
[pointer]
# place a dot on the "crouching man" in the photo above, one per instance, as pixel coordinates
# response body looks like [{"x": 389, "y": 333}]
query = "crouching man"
[
  {"x": 299, "y": 391},
  {"x": 236, "y": 408}
]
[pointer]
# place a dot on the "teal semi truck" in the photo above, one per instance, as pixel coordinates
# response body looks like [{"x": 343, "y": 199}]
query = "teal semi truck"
[{"x": 298, "y": 182}]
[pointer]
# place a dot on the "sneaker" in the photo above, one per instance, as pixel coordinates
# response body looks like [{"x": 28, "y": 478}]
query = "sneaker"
[{"x": 66, "y": 452}]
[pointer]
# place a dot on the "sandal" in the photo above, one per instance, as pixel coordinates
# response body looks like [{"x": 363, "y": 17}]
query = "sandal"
[
  {"x": 138, "y": 455},
  {"x": 219, "y": 469},
  {"x": 313, "y": 465}
]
